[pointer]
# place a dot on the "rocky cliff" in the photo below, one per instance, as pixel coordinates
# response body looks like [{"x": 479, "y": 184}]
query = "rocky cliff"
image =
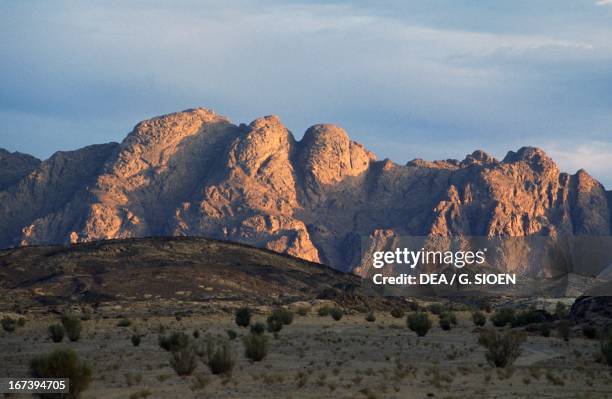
[{"x": 194, "y": 173}]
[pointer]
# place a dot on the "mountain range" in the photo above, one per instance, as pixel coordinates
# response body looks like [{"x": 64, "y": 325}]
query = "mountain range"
[{"x": 195, "y": 173}]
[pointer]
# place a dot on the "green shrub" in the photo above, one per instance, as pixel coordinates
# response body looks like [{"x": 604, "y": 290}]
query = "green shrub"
[
  {"x": 419, "y": 322},
  {"x": 589, "y": 331},
  {"x": 184, "y": 360},
  {"x": 336, "y": 313},
  {"x": 370, "y": 317},
  {"x": 436, "y": 308},
  {"x": 174, "y": 342},
  {"x": 397, "y": 312},
  {"x": 302, "y": 311},
  {"x": 502, "y": 348},
  {"x": 561, "y": 310},
  {"x": 284, "y": 315},
  {"x": 63, "y": 363},
  {"x": 21, "y": 322},
  {"x": 527, "y": 317},
  {"x": 258, "y": 328},
  {"x": 274, "y": 324},
  {"x": 255, "y": 347},
  {"x": 544, "y": 329},
  {"x": 136, "y": 339},
  {"x": 243, "y": 316},
  {"x": 502, "y": 317},
  {"x": 231, "y": 334},
  {"x": 324, "y": 311},
  {"x": 72, "y": 324},
  {"x": 413, "y": 306},
  {"x": 124, "y": 323},
  {"x": 563, "y": 329},
  {"x": 8, "y": 324},
  {"x": 606, "y": 349},
  {"x": 56, "y": 332},
  {"x": 219, "y": 357},
  {"x": 445, "y": 324},
  {"x": 479, "y": 318}
]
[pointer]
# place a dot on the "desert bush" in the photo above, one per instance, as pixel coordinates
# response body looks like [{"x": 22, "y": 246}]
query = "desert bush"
[
  {"x": 184, "y": 360},
  {"x": 527, "y": 317},
  {"x": 231, "y": 334},
  {"x": 502, "y": 348},
  {"x": 606, "y": 349},
  {"x": 445, "y": 324},
  {"x": 219, "y": 357},
  {"x": 561, "y": 310},
  {"x": 563, "y": 330},
  {"x": 135, "y": 339},
  {"x": 258, "y": 328},
  {"x": 63, "y": 363},
  {"x": 370, "y": 317},
  {"x": 479, "y": 318},
  {"x": 8, "y": 324},
  {"x": 589, "y": 331},
  {"x": 436, "y": 308},
  {"x": 336, "y": 313},
  {"x": 174, "y": 342},
  {"x": 302, "y": 311},
  {"x": 274, "y": 324},
  {"x": 21, "y": 322},
  {"x": 397, "y": 312},
  {"x": 419, "y": 322},
  {"x": 243, "y": 317},
  {"x": 56, "y": 332},
  {"x": 324, "y": 311},
  {"x": 450, "y": 316},
  {"x": 124, "y": 323},
  {"x": 502, "y": 317},
  {"x": 196, "y": 333},
  {"x": 255, "y": 347},
  {"x": 544, "y": 329},
  {"x": 72, "y": 324},
  {"x": 284, "y": 315},
  {"x": 413, "y": 306}
]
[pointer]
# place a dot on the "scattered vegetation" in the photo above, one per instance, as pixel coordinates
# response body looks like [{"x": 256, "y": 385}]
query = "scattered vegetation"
[
  {"x": 479, "y": 318},
  {"x": 563, "y": 329},
  {"x": 72, "y": 325},
  {"x": 258, "y": 328},
  {"x": 124, "y": 323},
  {"x": 184, "y": 360},
  {"x": 447, "y": 320},
  {"x": 274, "y": 324},
  {"x": 502, "y": 317},
  {"x": 231, "y": 334},
  {"x": 255, "y": 347},
  {"x": 174, "y": 342},
  {"x": 370, "y": 317},
  {"x": 397, "y": 312},
  {"x": 56, "y": 332},
  {"x": 324, "y": 311},
  {"x": 219, "y": 357},
  {"x": 243, "y": 316},
  {"x": 527, "y": 317},
  {"x": 502, "y": 347},
  {"x": 336, "y": 313},
  {"x": 9, "y": 324},
  {"x": 285, "y": 316},
  {"x": 419, "y": 322},
  {"x": 63, "y": 363},
  {"x": 436, "y": 308},
  {"x": 136, "y": 339}
]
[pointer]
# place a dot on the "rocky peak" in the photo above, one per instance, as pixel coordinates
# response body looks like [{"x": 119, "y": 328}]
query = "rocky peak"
[
  {"x": 329, "y": 155},
  {"x": 15, "y": 166},
  {"x": 480, "y": 158}
]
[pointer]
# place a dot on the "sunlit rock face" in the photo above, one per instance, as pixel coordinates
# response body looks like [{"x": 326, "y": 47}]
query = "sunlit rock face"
[{"x": 196, "y": 173}]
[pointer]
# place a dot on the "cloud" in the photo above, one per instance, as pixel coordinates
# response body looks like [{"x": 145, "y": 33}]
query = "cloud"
[
  {"x": 593, "y": 156},
  {"x": 604, "y": 2}
]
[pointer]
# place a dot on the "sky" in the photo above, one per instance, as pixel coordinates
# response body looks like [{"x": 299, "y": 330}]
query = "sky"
[{"x": 409, "y": 79}]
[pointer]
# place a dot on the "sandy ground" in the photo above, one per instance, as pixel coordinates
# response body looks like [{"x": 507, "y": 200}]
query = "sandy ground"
[{"x": 317, "y": 357}]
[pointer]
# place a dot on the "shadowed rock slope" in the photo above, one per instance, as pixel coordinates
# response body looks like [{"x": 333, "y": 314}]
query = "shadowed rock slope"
[
  {"x": 175, "y": 268},
  {"x": 194, "y": 173}
]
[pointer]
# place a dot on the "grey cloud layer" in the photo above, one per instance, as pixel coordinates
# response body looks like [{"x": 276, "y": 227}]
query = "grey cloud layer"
[{"x": 409, "y": 79}]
